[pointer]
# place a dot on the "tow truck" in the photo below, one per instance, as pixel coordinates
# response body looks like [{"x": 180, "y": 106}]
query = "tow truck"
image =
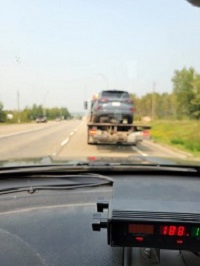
[
  {"x": 109, "y": 133},
  {"x": 113, "y": 132}
]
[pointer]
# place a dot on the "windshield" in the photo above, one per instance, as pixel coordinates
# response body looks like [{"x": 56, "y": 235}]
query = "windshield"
[
  {"x": 115, "y": 94},
  {"x": 57, "y": 57}
]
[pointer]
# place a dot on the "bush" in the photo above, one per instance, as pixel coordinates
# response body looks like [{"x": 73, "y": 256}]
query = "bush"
[{"x": 177, "y": 142}]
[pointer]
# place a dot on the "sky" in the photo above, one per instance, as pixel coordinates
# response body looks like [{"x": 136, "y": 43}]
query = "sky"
[{"x": 58, "y": 53}]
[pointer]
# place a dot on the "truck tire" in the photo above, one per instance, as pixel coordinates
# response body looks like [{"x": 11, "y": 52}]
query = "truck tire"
[{"x": 130, "y": 120}]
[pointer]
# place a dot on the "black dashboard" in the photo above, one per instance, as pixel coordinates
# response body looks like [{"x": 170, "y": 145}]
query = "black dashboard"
[{"x": 55, "y": 227}]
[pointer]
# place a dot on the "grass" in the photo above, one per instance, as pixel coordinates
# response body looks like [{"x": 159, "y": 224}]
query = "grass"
[{"x": 184, "y": 135}]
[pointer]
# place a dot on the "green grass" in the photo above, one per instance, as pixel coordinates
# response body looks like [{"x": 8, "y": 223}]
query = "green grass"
[{"x": 184, "y": 135}]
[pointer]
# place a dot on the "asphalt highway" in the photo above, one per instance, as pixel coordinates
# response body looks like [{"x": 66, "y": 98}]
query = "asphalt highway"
[{"x": 68, "y": 139}]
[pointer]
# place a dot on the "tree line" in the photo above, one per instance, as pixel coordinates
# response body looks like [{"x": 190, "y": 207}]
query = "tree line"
[
  {"x": 29, "y": 114},
  {"x": 182, "y": 103}
]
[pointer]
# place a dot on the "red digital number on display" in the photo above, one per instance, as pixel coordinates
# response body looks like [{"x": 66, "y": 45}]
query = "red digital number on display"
[{"x": 172, "y": 230}]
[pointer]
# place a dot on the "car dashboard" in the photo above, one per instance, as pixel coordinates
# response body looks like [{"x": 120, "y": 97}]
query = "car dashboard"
[{"x": 59, "y": 227}]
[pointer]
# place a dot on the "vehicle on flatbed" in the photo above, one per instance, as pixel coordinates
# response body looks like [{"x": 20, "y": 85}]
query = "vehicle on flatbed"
[{"x": 112, "y": 106}]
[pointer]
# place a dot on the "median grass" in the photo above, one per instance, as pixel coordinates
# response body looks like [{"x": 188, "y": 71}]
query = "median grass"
[{"x": 184, "y": 135}]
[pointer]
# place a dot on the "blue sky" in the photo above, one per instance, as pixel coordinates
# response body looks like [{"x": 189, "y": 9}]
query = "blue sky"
[{"x": 61, "y": 52}]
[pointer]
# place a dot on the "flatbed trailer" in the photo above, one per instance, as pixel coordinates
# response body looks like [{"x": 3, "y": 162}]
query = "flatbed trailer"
[{"x": 121, "y": 134}]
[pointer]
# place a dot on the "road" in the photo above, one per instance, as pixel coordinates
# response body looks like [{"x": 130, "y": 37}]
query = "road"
[{"x": 67, "y": 139}]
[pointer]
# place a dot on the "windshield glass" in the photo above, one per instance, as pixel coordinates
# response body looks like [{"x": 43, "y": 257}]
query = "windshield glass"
[
  {"x": 115, "y": 94},
  {"x": 57, "y": 57}
]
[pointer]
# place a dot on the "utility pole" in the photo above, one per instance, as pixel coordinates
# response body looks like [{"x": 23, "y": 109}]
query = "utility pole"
[
  {"x": 44, "y": 103},
  {"x": 153, "y": 101},
  {"x": 18, "y": 108}
]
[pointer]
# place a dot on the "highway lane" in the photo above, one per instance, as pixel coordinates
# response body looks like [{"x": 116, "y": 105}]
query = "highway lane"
[
  {"x": 78, "y": 147},
  {"x": 68, "y": 139},
  {"x": 35, "y": 140}
]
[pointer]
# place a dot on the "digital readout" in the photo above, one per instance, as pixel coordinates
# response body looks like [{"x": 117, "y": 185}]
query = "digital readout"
[
  {"x": 165, "y": 230},
  {"x": 173, "y": 230},
  {"x": 141, "y": 229},
  {"x": 195, "y": 231}
]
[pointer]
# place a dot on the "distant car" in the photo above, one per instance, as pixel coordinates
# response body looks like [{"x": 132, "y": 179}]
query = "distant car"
[
  {"x": 112, "y": 106},
  {"x": 41, "y": 119}
]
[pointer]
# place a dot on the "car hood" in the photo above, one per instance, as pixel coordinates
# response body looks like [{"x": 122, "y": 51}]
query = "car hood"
[{"x": 99, "y": 160}]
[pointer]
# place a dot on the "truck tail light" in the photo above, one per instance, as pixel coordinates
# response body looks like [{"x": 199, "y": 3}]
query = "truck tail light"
[
  {"x": 132, "y": 109},
  {"x": 92, "y": 131}
]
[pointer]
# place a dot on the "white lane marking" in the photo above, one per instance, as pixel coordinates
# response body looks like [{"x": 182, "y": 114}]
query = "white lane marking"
[
  {"x": 76, "y": 129},
  {"x": 49, "y": 207},
  {"x": 64, "y": 142},
  {"x": 140, "y": 152}
]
